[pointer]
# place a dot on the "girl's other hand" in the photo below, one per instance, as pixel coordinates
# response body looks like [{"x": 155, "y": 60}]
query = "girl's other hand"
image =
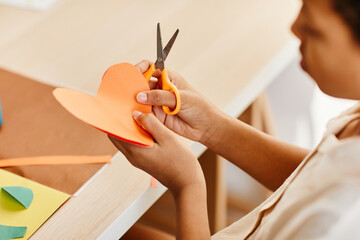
[{"x": 169, "y": 160}]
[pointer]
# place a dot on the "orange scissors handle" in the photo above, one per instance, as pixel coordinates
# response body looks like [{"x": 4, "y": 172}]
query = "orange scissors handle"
[
  {"x": 148, "y": 74},
  {"x": 167, "y": 85}
]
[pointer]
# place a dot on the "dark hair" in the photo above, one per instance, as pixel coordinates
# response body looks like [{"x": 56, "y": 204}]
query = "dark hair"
[{"x": 350, "y": 12}]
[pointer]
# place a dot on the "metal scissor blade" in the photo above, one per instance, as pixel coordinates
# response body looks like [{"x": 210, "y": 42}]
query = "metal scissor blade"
[
  {"x": 159, "y": 64},
  {"x": 170, "y": 44}
]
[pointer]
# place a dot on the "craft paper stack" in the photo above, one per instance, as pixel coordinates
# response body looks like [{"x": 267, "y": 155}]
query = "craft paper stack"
[
  {"x": 38, "y": 132},
  {"x": 34, "y": 204}
]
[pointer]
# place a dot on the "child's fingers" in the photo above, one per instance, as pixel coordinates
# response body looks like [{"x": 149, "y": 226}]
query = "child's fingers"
[
  {"x": 157, "y": 98},
  {"x": 153, "y": 126},
  {"x": 144, "y": 65},
  {"x": 118, "y": 145},
  {"x": 153, "y": 84}
]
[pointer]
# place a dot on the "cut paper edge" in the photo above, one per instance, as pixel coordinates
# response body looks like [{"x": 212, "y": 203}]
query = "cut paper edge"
[
  {"x": 147, "y": 138},
  {"x": 11, "y": 232},
  {"x": 22, "y": 195},
  {"x": 54, "y": 160},
  {"x": 111, "y": 109},
  {"x": 123, "y": 139}
]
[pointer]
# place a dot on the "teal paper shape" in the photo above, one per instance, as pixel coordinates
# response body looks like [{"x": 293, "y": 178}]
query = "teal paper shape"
[
  {"x": 23, "y": 195},
  {"x": 9, "y": 232}
]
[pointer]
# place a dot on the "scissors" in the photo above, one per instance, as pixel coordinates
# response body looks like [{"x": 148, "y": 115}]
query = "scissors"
[{"x": 160, "y": 64}]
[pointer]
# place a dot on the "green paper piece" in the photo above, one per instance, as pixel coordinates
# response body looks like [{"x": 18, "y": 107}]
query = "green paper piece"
[
  {"x": 9, "y": 232},
  {"x": 23, "y": 195}
]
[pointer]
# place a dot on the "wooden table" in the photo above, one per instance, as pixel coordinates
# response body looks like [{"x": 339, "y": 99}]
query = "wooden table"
[{"x": 229, "y": 50}]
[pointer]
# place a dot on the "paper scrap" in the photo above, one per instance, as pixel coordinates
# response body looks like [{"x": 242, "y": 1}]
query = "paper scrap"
[
  {"x": 23, "y": 195},
  {"x": 9, "y": 232},
  {"x": 54, "y": 160},
  {"x": 153, "y": 182},
  {"x": 111, "y": 110},
  {"x": 46, "y": 201}
]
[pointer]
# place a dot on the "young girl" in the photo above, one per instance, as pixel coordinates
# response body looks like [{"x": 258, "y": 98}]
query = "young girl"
[{"x": 317, "y": 193}]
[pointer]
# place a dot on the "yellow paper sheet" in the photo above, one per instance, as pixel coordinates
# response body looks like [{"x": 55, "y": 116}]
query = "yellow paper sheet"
[{"x": 46, "y": 201}]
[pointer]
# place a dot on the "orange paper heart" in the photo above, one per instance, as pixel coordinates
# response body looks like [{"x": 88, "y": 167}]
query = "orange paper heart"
[{"x": 111, "y": 110}]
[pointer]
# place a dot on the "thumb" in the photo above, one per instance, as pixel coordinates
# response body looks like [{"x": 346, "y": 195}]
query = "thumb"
[
  {"x": 152, "y": 125},
  {"x": 157, "y": 97}
]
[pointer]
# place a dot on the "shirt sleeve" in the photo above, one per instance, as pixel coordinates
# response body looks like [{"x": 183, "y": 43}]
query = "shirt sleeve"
[
  {"x": 331, "y": 207},
  {"x": 332, "y": 214}
]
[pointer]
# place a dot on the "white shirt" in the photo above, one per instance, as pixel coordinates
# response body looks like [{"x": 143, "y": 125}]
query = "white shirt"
[{"x": 320, "y": 200}]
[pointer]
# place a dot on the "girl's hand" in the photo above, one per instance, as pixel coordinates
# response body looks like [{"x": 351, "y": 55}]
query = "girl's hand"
[
  {"x": 196, "y": 113},
  {"x": 169, "y": 161}
]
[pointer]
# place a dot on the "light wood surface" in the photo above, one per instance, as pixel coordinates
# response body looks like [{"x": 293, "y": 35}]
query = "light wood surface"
[
  {"x": 87, "y": 215},
  {"x": 221, "y": 47}
]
